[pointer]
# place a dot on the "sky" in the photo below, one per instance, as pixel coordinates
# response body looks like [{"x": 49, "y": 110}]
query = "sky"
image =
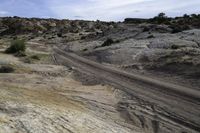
[{"x": 106, "y": 10}]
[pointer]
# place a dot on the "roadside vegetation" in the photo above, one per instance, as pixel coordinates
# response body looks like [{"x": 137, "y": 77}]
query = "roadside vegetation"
[
  {"x": 177, "y": 24},
  {"x": 36, "y": 58},
  {"x": 16, "y": 47},
  {"x": 6, "y": 69},
  {"x": 108, "y": 42}
]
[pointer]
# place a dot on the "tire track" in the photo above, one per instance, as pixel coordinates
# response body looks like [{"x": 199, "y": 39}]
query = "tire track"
[{"x": 181, "y": 101}]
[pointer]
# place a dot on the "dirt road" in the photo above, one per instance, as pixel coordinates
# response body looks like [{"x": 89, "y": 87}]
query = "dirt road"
[{"x": 172, "y": 104}]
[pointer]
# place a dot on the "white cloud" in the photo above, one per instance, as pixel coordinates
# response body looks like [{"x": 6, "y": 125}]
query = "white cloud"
[
  {"x": 94, "y": 9},
  {"x": 3, "y": 13},
  {"x": 97, "y": 9},
  {"x": 119, "y": 9}
]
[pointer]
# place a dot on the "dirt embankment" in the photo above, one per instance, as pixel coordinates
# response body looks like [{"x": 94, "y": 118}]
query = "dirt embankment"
[
  {"x": 162, "y": 95},
  {"x": 39, "y": 96},
  {"x": 46, "y": 98}
]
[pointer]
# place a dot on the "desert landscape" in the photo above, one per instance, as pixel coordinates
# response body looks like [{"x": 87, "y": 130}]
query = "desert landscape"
[{"x": 76, "y": 76}]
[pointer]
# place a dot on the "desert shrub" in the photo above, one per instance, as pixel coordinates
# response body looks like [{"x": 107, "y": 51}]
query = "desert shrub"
[
  {"x": 35, "y": 57},
  {"x": 59, "y": 34},
  {"x": 27, "y": 60},
  {"x": 145, "y": 29},
  {"x": 160, "y": 19},
  {"x": 151, "y": 36},
  {"x": 135, "y": 20},
  {"x": 108, "y": 42},
  {"x": 117, "y": 41},
  {"x": 85, "y": 49},
  {"x": 83, "y": 37},
  {"x": 6, "y": 69},
  {"x": 14, "y": 37},
  {"x": 20, "y": 54},
  {"x": 176, "y": 30},
  {"x": 174, "y": 47},
  {"x": 16, "y": 46}
]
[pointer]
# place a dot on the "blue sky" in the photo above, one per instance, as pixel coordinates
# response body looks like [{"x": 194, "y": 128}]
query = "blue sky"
[{"x": 108, "y": 10}]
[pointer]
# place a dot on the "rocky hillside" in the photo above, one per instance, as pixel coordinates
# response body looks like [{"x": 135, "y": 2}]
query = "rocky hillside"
[
  {"x": 44, "y": 27},
  {"x": 161, "y": 44},
  {"x": 39, "y": 96}
]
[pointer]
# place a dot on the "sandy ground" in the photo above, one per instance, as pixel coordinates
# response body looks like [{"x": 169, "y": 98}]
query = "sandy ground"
[
  {"x": 182, "y": 113},
  {"x": 40, "y": 98}
]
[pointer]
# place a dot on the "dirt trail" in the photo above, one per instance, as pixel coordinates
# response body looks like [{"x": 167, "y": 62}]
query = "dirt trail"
[
  {"x": 45, "y": 98},
  {"x": 176, "y": 104}
]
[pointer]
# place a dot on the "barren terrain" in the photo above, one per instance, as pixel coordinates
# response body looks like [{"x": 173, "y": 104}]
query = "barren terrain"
[
  {"x": 52, "y": 91},
  {"x": 46, "y": 98}
]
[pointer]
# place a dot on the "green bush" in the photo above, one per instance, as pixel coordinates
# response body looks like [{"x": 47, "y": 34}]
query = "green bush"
[
  {"x": 6, "y": 69},
  {"x": 85, "y": 49},
  {"x": 160, "y": 19},
  {"x": 151, "y": 36},
  {"x": 108, "y": 42},
  {"x": 59, "y": 34},
  {"x": 175, "y": 47},
  {"x": 20, "y": 54},
  {"x": 16, "y": 46},
  {"x": 35, "y": 57},
  {"x": 176, "y": 30},
  {"x": 146, "y": 29}
]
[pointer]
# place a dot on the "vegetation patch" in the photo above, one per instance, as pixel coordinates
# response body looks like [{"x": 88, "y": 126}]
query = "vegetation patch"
[
  {"x": 108, "y": 42},
  {"x": 16, "y": 46},
  {"x": 85, "y": 49},
  {"x": 177, "y": 24},
  {"x": 20, "y": 54},
  {"x": 36, "y": 58},
  {"x": 6, "y": 69},
  {"x": 175, "y": 47},
  {"x": 146, "y": 29},
  {"x": 59, "y": 34},
  {"x": 151, "y": 36}
]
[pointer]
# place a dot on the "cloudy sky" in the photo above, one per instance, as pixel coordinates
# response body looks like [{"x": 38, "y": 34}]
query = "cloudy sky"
[{"x": 108, "y": 10}]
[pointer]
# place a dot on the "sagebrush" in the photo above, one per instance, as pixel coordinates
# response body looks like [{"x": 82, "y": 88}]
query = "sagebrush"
[{"x": 16, "y": 46}]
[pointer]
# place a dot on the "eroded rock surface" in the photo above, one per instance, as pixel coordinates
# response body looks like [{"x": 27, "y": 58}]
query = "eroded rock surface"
[
  {"x": 40, "y": 96},
  {"x": 46, "y": 98}
]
